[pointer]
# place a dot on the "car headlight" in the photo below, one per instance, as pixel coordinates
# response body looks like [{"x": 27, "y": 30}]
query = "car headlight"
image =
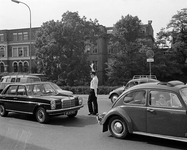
[
  {"x": 53, "y": 104},
  {"x": 80, "y": 100}
]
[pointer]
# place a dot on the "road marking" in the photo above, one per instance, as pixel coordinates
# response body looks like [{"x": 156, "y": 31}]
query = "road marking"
[
  {"x": 15, "y": 139},
  {"x": 23, "y": 140}
]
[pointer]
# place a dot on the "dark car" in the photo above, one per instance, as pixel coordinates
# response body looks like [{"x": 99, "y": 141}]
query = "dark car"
[
  {"x": 152, "y": 109},
  {"x": 42, "y": 99},
  {"x": 113, "y": 95}
]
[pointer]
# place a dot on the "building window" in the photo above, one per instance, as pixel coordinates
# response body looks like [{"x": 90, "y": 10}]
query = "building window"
[
  {"x": 15, "y": 67},
  {"x": 26, "y": 68},
  {"x": 14, "y": 52},
  {"x": 110, "y": 50},
  {"x": 95, "y": 50},
  {"x": 20, "y": 37},
  {"x": 143, "y": 30},
  {"x": 1, "y": 37},
  {"x": 2, "y": 67},
  {"x": 25, "y": 35},
  {"x": 20, "y": 51},
  {"x": 14, "y": 36},
  {"x": 25, "y": 51},
  {"x": 95, "y": 66},
  {"x": 20, "y": 67},
  {"x": 2, "y": 51}
]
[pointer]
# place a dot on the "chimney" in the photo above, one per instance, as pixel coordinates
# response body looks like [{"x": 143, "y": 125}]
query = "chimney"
[{"x": 150, "y": 22}]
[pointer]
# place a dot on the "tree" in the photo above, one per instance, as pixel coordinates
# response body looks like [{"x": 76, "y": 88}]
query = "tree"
[
  {"x": 60, "y": 48},
  {"x": 126, "y": 43},
  {"x": 174, "y": 39}
]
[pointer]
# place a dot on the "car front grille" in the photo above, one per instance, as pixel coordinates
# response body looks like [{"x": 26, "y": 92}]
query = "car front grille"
[{"x": 69, "y": 103}]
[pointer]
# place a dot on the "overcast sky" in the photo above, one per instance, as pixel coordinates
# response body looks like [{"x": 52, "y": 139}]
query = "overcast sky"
[{"x": 107, "y": 12}]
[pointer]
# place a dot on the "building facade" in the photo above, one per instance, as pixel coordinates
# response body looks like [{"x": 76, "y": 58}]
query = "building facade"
[
  {"x": 15, "y": 47},
  {"x": 17, "y": 52}
]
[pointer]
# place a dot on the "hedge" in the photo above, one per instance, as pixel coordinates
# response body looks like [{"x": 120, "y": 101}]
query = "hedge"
[{"x": 86, "y": 89}]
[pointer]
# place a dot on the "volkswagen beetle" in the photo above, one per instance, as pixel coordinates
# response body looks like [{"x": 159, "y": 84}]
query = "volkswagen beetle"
[{"x": 153, "y": 109}]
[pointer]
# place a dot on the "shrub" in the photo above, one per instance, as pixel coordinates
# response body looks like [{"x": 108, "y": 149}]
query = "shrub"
[{"x": 86, "y": 89}]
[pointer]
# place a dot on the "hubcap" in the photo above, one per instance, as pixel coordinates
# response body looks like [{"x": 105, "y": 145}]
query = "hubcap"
[
  {"x": 1, "y": 110},
  {"x": 114, "y": 98},
  {"x": 40, "y": 115},
  {"x": 118, "y": 127}
]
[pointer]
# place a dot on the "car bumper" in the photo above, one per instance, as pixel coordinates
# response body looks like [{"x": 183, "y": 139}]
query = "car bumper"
[{"x": 65, "y": 111}]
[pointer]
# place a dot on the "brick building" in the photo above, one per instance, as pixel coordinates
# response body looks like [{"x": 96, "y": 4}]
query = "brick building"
[{"x": 15, "y": 50}]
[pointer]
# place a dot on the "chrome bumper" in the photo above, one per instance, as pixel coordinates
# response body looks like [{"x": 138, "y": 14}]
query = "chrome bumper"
[
  {"x": 100, "y": 118},
  {"x": 63, "y": 111}
]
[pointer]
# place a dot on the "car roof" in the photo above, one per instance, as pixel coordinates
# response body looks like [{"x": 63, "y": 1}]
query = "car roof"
[
  {"x": 143, "y": 79},
  {"x": 172, "y": 85},
  {"x": 23, "y": 76},
  {"x": 20, "y": 83}
]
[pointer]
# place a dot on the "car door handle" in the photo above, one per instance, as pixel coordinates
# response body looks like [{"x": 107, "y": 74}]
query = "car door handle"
[{"x": 150, "y": 110}]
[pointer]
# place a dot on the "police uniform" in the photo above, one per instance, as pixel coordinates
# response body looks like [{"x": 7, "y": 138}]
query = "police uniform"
[{"x": 92, "y": 99}]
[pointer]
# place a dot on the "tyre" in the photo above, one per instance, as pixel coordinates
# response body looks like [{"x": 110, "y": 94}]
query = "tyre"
[
  {"x": 3, "y": 112},
  {"x": 41, "y": 115},
  {"x": 73, "y": 115},
  {"x": 118, "y": 127},
  {"x": 113, "y": 98}
]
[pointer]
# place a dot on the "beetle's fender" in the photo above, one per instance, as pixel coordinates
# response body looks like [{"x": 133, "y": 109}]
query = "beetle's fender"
[{"x": 117, "y": 111}]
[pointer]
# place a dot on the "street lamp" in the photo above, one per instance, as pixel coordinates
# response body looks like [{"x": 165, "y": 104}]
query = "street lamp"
[{"x": 16, "y": 1}]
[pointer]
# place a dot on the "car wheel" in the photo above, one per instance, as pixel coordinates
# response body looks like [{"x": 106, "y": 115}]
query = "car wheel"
[
  {"x": 41, "y": 115},
  {"x": 73, "y": 115},
  {"x": 118, "y": 127},
  {"x": 3, "y": 111},
  {"x": 114, "y": 97}
]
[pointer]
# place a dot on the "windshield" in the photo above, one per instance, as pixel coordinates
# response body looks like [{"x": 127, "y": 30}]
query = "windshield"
[
  {"x": 40, "y": 89},
  {"x": 183, "y": 93},
  {"x": 56, "y": 86}
]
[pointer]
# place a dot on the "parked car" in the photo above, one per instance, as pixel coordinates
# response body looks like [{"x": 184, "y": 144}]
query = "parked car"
[
  {"x": 142, "y": 110},
  {"x": 42, "y": 99},
  {"x": 23, "y": 78},
  {"x": 137, "y": 79}
]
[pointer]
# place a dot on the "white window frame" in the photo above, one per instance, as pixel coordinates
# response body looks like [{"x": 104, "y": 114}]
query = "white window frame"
[
  {"x": 25, "y": 36},
  {"x": 2, "y": 48},
  {"x": 25, "y": 52},
  {"x": 20, "y": 37},
  {"x": 15, "y": 36},
  {"x": 1, "y": 37}
]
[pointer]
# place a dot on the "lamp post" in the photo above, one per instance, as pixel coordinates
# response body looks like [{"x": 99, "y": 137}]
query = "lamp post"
[{"x": 16, "y": 1}]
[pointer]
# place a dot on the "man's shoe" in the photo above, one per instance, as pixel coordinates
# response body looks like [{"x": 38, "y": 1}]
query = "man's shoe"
[{"x": 90, "y": 114}]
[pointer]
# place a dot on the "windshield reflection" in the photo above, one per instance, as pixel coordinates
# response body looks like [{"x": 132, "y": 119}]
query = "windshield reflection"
[{"x": 40, "y": 89}]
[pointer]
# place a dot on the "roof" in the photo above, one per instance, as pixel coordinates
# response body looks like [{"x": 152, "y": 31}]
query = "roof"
[
  {"x": 144, "y": 76},
  {"x": 172, "y": 85},
  {"x": 143, "y": 79},
  {"x": 27, "y": 83},
  {"x": 19, "y": 75}
]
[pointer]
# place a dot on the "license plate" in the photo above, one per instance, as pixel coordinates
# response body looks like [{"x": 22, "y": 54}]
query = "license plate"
[{"x": 69, "y": 112}]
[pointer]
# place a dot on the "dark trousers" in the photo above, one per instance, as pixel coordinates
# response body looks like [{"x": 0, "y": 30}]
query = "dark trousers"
[{"x": 92, "y": 103}]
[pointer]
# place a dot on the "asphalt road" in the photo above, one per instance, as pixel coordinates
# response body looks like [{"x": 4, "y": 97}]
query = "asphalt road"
[{"x": 22, "y": 132}]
